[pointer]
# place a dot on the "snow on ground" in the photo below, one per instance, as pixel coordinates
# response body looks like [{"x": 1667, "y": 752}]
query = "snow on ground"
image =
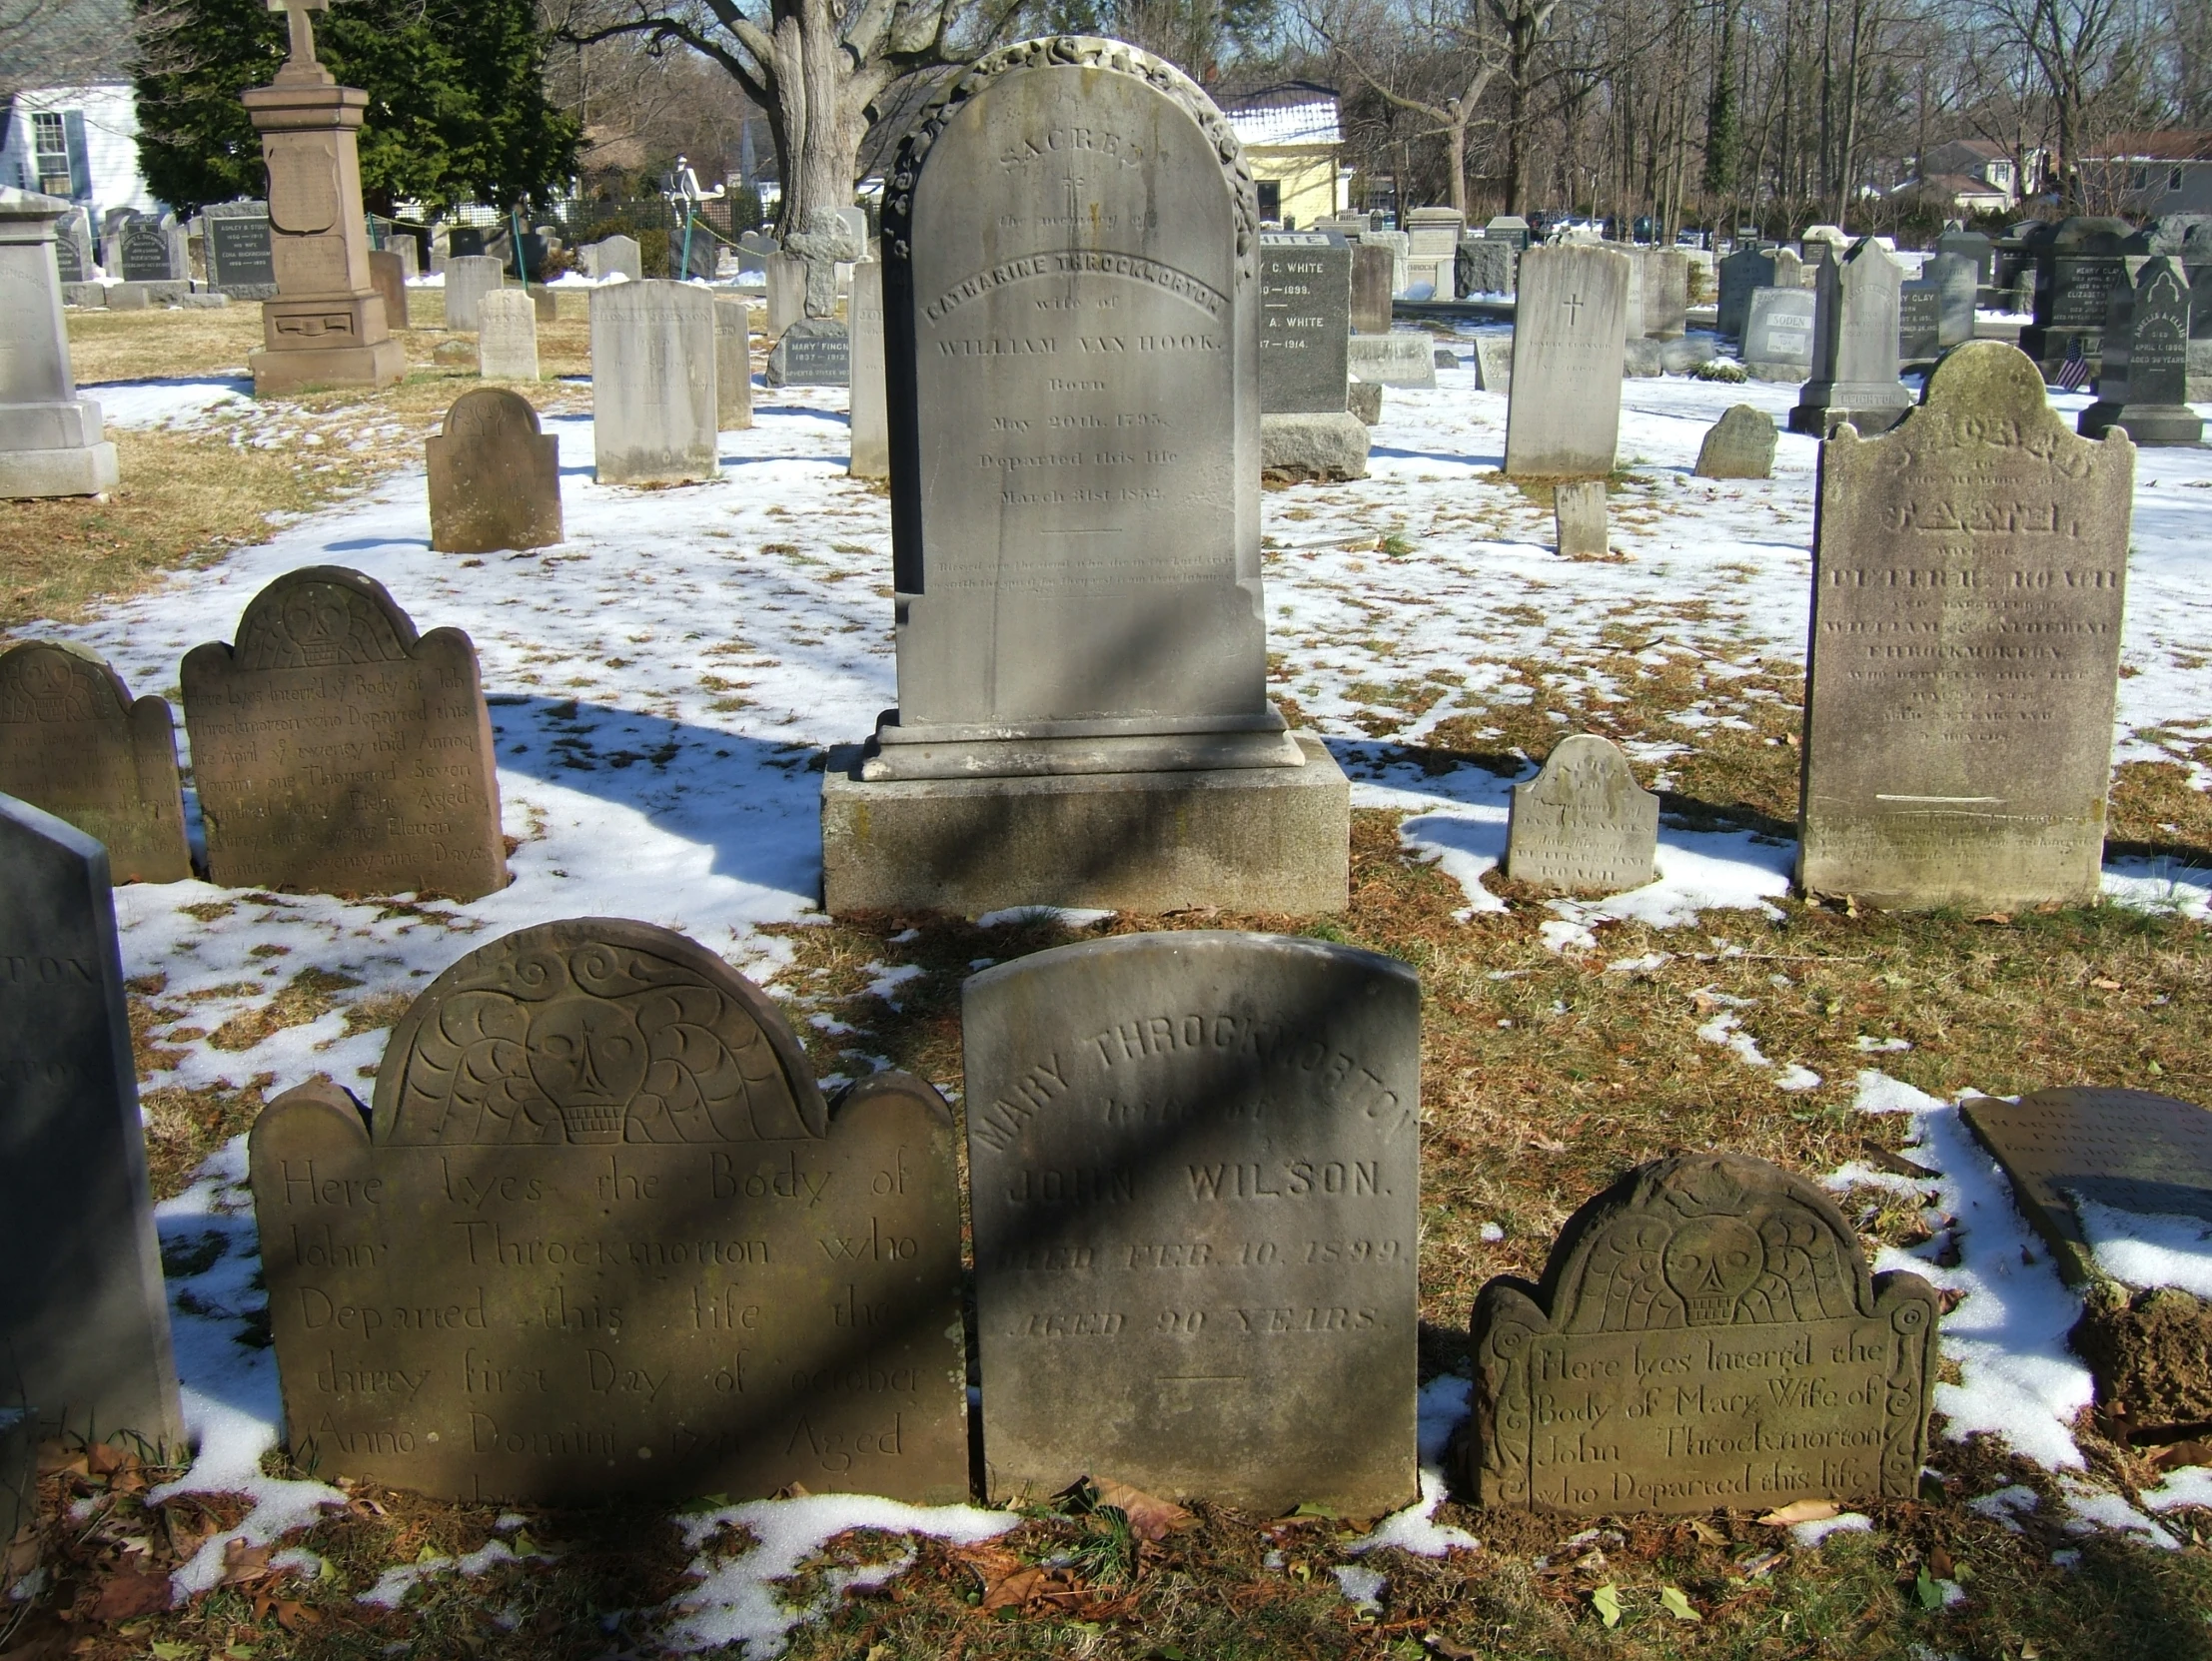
[
  {"x": 665, "y": 683},
  {"x": 169, "y": 401}
]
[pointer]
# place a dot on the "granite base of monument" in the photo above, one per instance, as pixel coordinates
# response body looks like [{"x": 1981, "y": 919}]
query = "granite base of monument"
[
  {"x": 1253, "y": 839},
  {"x": 74, "y": 471},
  {"x": 307, "y": 369},
  {"x": 2163, "y": 426},
  {"x": 1307, "y": 446}
]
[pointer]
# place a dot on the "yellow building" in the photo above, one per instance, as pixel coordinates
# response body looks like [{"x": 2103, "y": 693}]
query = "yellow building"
[{"x": 1292, "y": 141}]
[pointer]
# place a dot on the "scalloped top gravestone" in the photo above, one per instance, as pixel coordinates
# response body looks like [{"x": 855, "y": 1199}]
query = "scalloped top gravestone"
[
  {"x": 1970, "y": 575},
  {"x": 84, "y": 1322},
  {"x": 73, "y": 742},
  {"x": 495, "y": 478},
  {"x": 1584, "y": 825},
  {"x": 1706, "y": 1336},
  {"x": 1195, "y": 1168},
  {"x": 600, "y": 1237},
  {"x": 337, "y": 753}
]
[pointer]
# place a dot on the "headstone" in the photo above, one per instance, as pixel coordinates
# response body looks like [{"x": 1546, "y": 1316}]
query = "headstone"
[
  {"x": 469, "y": 277},
  {"x": 600, "y": 1237},
  {"x": 813, "y": 351},
  {"x": 1665, "y": 273},
  {"x": 150, "y": 247},
  {"x": 871, "y": 435},
  {"x": 388, "y": 276},
  {"x": 1919, "y": 322},
  {"x": 73, "y": 253},
  {"x": 1364, "y": 399},
  {"x": 1741, "y": 444},
  {"x": 1564, "y": 417},
  {"x": 1578, "y": 519},
  {"x": 1706, "y": 1336},
  {"x": 84, "y": 1318},
  {"x": 2151, "y": 403},
  {"x": 51, "y": 442},
  {"x": 463, "y": 241},
  {"x": 337, "y": 754},
  {"x": 1493, "y": 361},
  {"x": 73, "y": 743},
  {"x": 545, "y": 304},
  {"x": 1194, "y": 1162},
  {"x": 1824, "y": 242},
  {"x": 409, "y": 253},
  {"x": 1075, "y": 477},
  {"x": 654, "y": 398},
  {"x": 326, "y": 326},
  {"x": 1371, "y": 290},
  {"x": 494, "y": 480},
  {"x": 619, "y": 255},
  {"x": 1397, "y": 241},
  {"x": 1508, "y": 228},
  {"x": 2077, "y": 265},
  {"x": 1777, "y": 337},
  {"x": 732, "y": 363},
  {"x": 1406, "y": 357},
  {"x": 786, "y": 275},
  {"x": 1854, "y": 347},
  {"x": 1953, "y": 275},
  {"x": 1434, "y": 246},
  {"x": 240, "y": 249},
  {"x": 1305, "y": 322},
  {"x": 1583, "y": 825},
  {"x": 507, "y": 335},
  {"x": 1486, "y": 266},
  {"x": 1968, "y": 579},
  {"x": 1974, "y": 246},
  {"x": 1744, "y": 273}
]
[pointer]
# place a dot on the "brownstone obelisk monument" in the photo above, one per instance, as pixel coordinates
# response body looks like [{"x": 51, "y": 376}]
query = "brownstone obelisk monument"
[{"x": 325, "y": 328}]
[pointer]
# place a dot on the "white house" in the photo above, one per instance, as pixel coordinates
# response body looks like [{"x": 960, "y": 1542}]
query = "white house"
[{"x": 79, "y": 143}]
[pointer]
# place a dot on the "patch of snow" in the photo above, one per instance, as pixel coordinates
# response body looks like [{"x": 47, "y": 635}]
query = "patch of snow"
[
  {"x": 1810, "y": 1536},
  {"x": 2094, "y": 1509},
  {"x": 1441, "y": 1408},
  {"x": 1362, "y": 1587},
  {"x": 1068, "y": 916},
  {"x": 2189, "y": 1485},
  {"x": 2007, "y": 1505},
  {"x": 2148, "y": 1251}
]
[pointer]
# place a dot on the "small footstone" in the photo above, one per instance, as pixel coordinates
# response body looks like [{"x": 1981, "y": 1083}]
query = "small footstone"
[
  {"x": 1741, "y": 444},
  {"x": 1702, "y": 1308},
  {"x": 494, "y": 480},
  {"x": 1584, "y": 825},
  {"x": 1494, "y": 362},
  {"x": 1317, "y": 447},
  {"x": 1579, "y": 515},
  {"x": 1364, "y": 399}
]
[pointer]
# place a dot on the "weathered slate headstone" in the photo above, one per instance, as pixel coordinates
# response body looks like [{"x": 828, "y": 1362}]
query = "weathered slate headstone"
[
  {"x": 732, "y": 363},
  {"x": 1305, "y": 322},
  {"x": 2152, "y": 403},
  {"x": 1968, "y": 579},
  {"x": 813, "y": 351},
  {"x": 1742, "y": 274},
  {"x": 1508, "y": 228},
  {"x": 619, "y": 255},
  {"x": 150, "y": 247},
  {"x": 1194, "y": 1161},
  {"x": 73, "y": 743},
  {"x": 241, "y": 250},
  {"x": 653, "y": 397},
  {"x": 1583, "y": 825},
  {"x": 388, "y": 276},
  {"x": 1564, "y": 417},
  {"x": 1397, "y": 241},
  {"x": 1665, "y": 273},
  {"x": 1707, "y": 1335},
  {"x": 871, "y": 433},
  {"x": 1855, "y": 345},
  {"x": 507, "y": 335},
  {"x": 51, "y": 442},
  {"x": 494, "y": 480},
  {"x": 1919, "y": 322},
  {"x": 73, "y": 256},
  {"x": 1974, "y": 246},
  {"x": 84, "y": 1320},
  {"x": 600, "y": 1237},
  {"x": 336, "y": 752},
  {"x": 1777, "y": 336},
  {"x": 1371, "y": 290},
  {"x": 1578, "y": 519},
  {"x": 1953, "y": 275},
  {"x": 469, "y": 277},
  {"x": 1741, "y": 444}
]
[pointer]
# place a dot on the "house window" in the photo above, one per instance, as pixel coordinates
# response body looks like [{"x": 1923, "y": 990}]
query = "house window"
[
  {"x": 2140, "y": 179},
  {"x": 2173, "y": 180},
  {"x": 50, "y": 153},
  {"x": 1271, "y": 199}
]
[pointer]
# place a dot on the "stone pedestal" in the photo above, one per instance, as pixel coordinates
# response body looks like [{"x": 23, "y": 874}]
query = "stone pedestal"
[
  {"x": 327, "y": 326},
  {"x": 50, "y": 442}
]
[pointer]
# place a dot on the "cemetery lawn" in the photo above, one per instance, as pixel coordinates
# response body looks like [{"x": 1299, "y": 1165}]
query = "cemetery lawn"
[{"x": 665, "y": 686}]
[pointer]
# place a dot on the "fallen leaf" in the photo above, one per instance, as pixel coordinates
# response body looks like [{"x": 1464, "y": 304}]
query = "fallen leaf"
[
  {"x": 20, "y": 1556},
  {"x": 1442, "y": 1646},
  {"x": 132, "y": 1593},
  {"x": 1150, "y": 1517},
  {"x": 168, "y": 1649},
  {"x": 2103, "y": 985},
  {"x": 1939, "y": 1563},
  {"x": 1928, "y": 1592},
  {"x": 105, "y": 1459},
  {"x": 2173, "y": 1453},
  {"x": 1706, "y": 1533},
  {"x": 1802, "y": 1510},
  {"x": 1606, "y": 1601},
  {"x": 1675, "y": 1604},
  {"x": 243, "y": 1564},
  {"x": 2000, "y": 917}
]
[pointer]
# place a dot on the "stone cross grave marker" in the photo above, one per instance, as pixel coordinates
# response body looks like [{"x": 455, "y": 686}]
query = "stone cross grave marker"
[
  {"x": 1707, "y": 1335},
  {"x": 1777, "y": 337},
  {"x": 871, "y": 433},
  {"x": 73, "y": 743},
  {"x": 84, "y": 1318},
  {"x": 1583, "y": 825},
  {"x": 337, "y": 753},
  {"x": 2152, "y": 401},
  {"x": 1855, "y": 345},
  {"x": 1194, "y": 1167},
  {"x": 1741, "y": 444},
  {"x": 1968, "y": 581},
  {"x": 240, "y": 249},
  {"x": 495, "y": 478},
  {"x": 469, "y": 277},
  {"x": 1563, "y": 419},
  {"x": 507, "y": 335},
  {"x": 388, "y": 276},
  {"x": 655, "y": 402},
  {"x": 51, "y": 442},
  {"x": 732, "y": 363},
  {"x": 600, "y": 1237},
  {"x": 1578, "y": 519},
  {"x": 1305, "y": 322},
  {"x": 1371, "y": 290}
]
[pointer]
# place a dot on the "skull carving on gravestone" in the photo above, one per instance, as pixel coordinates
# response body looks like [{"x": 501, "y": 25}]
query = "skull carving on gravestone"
[
  {"x": 827, "y": 240},
  {"x": 1712, "y": 1263}
]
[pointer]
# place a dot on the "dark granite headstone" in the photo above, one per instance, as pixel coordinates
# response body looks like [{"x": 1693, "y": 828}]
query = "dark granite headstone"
[
  {"x": 600, "y": 1237},
  {"x": 1195, "y": 1170},
  {"x": 73, "y": 743},
  {"x": 150, "y": 249},
  {"x": 2077, "y": 263},
  {"x": 1746, "y": 272},
  {"x": 1973, "y": 246},
  {"x": 463, "y": 241},
  {"x": 84, "y": 1320},
  {"x": 1305, "y": 320},
  {"x": 1706, "y": 1336},
  {"x": 813, "y": 351},
  {"x": 1584, "y": 825},
  {"x": 1777, "y": 336},
  {"x": 337, "y": 754},
  {"x": 1919, "y": 322},
  {"x": 1487, "y": 265},
  {"x": 241, "y": 260},
  {"x": 495, "y": 481},
  {"x": 2149, "y": 397},
  {"x": 73, "y": 247}
]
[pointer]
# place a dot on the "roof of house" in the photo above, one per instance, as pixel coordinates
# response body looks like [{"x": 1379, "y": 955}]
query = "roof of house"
[
  {"x": 1281, "y": 112},
  {"x": 2172, "y": 145},
  {"x": 1958, "y": 183},
  {"x": 1987, "y": 149}
]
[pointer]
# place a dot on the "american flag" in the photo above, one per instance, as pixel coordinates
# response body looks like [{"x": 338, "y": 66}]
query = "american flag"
[{"x": 2073, "y": 373}]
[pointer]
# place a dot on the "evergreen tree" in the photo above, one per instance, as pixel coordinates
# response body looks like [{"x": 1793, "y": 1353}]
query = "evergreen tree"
[{"x": 457, "y": 105}]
